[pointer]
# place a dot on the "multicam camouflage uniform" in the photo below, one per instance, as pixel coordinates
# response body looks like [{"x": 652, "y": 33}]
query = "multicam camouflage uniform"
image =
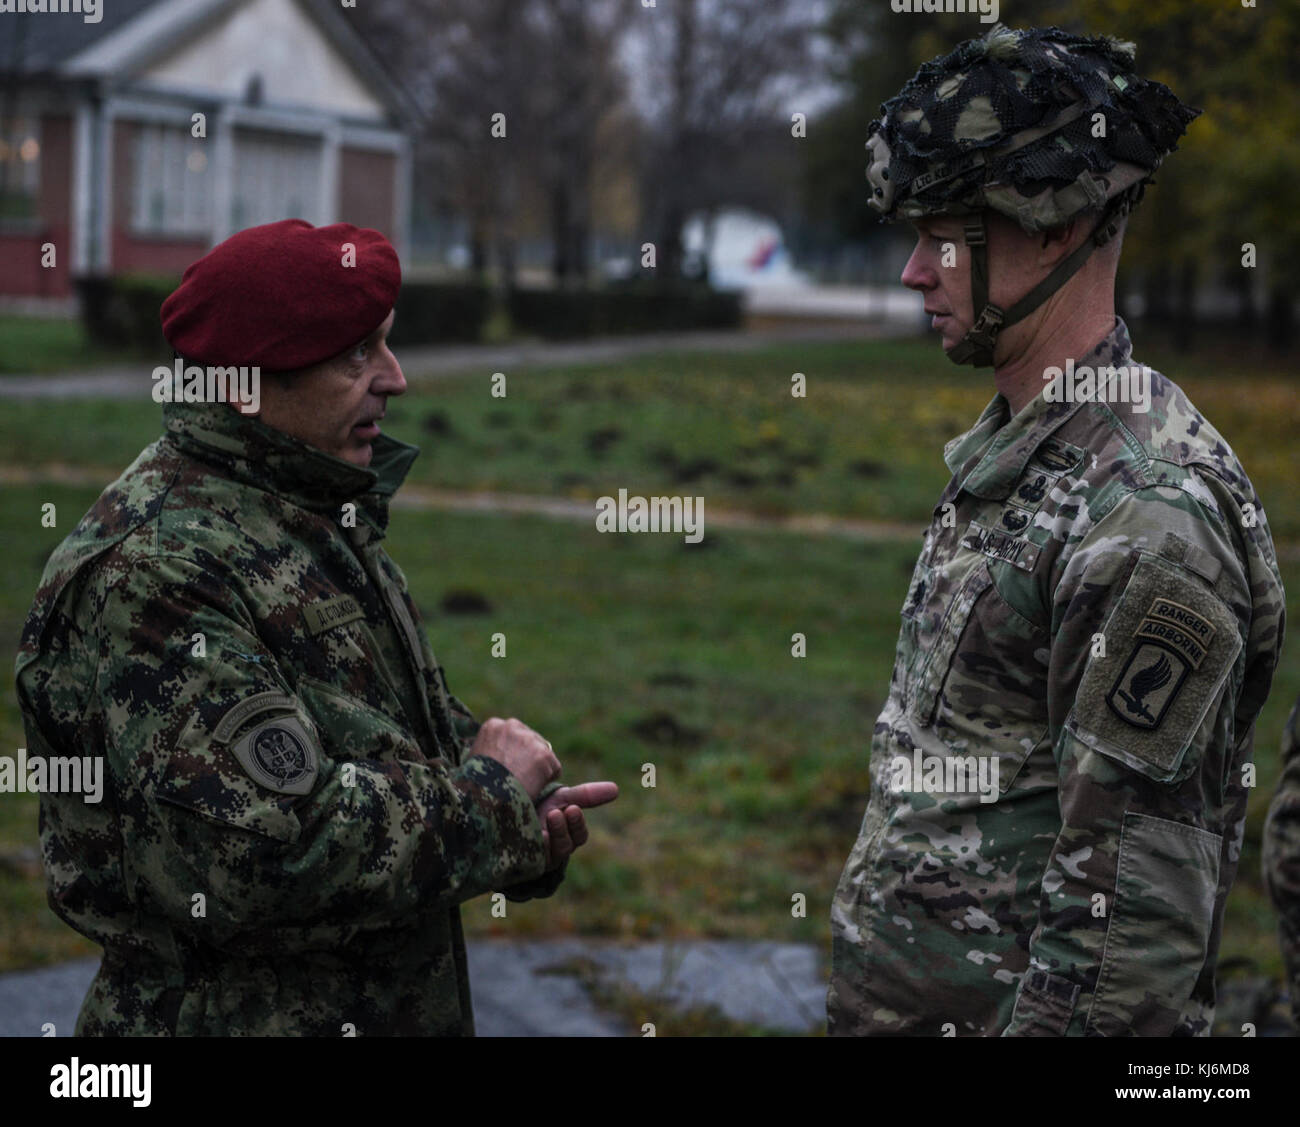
[
  {"x": 1281, "y": 861},
  {"x": 1089, "y": 897},
  {"x": 1096, "y": 609},
  {"x": 290, "y": 818}
]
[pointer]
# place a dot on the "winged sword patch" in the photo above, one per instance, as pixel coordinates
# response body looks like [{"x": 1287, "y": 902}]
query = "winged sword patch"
[{"x": 1147, "y": 685}]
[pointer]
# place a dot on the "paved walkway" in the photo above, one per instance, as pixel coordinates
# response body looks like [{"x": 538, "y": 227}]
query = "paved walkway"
[
  {"x": 533, "y": 988},
  {"x": 423, "y": 364},
  {"x": 425, "y": 498}
]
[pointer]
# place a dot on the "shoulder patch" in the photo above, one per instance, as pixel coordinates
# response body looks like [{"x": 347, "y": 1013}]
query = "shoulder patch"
[
  {"x": 279, "y": 755},
  {"x": 1170, "y": 644}
]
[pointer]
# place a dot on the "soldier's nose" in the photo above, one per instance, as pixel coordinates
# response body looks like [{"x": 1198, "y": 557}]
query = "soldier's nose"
[{"x": 915, "y": 275}]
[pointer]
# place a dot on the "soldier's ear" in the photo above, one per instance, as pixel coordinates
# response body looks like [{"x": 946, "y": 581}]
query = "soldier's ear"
[{"x": 1057, "y": 242}]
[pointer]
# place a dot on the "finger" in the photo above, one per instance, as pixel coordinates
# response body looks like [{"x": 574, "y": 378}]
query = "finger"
[
  {"x": 587, "y": 795},
  {"x": 561, "y": 843},
  {"x": 577, "y": 826}
]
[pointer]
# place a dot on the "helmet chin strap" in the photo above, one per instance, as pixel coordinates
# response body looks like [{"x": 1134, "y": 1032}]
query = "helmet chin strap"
[{"x": 976, "y": 347}]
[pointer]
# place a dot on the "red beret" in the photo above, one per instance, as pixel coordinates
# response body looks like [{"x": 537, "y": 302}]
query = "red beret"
[{"x": 283, "y": 296}]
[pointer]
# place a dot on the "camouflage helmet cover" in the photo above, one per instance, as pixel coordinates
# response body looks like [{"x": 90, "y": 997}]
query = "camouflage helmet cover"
[{"x": 1007, "y": 122}]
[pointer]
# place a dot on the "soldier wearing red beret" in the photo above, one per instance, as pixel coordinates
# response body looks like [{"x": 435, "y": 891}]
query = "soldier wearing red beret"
[{"x": 295, "y": 804}]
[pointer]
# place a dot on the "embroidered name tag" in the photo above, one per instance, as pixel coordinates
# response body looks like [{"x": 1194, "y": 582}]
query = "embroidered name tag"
[
  {"x": 1001, "y": 546},
  {"x": 331, "y": 613}
]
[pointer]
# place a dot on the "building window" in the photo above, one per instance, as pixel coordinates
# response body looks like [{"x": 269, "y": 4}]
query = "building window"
[
  {"x": 20, "y": 168},
  {"x": 173, "y": 187},
  {"x": 276, "y": 177}
]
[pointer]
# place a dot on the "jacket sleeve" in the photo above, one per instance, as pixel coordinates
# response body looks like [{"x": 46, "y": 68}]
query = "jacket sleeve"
[
  {"x": 228, "y": 791},
  {"x": 1150, "y": 621},
  {"x": 467, "y": 729}
]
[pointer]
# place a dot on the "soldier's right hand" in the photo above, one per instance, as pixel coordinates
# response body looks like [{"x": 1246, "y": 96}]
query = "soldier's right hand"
[{"x": 523, "y": 753}]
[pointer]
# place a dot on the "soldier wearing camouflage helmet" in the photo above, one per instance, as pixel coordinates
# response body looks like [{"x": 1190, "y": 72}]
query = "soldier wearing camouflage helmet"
[
  {"x": 296, "y": 805},
  {"x": 1057, "y": 789}
]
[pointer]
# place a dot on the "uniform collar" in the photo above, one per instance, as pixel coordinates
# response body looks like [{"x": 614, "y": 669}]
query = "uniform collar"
[
  {"x": 1008, "y": 443},
  {"x": 258, "y": 455}
]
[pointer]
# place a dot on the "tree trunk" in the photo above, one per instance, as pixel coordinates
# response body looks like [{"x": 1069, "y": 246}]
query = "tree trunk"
[
  {"x": 1281, "y": 318},
  {"x": 1243, "y": 281},
  {"x": 1157, "y": 294},
  {"x": 1185, "y": 316},
  {"x": 561, "y": 264},
  {"x": 579, "y": 253},
  {"x": 478, "y": 256}
]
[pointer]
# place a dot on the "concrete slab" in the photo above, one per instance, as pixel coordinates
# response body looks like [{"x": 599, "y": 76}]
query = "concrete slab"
[{"x": 534, "y": 988}]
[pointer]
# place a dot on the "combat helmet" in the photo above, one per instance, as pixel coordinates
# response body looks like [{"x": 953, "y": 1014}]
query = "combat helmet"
[{"x": 1008, "y": 121}]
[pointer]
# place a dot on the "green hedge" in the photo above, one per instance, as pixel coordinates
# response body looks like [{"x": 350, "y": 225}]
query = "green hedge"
[
  {"x": 125, "y": 311},
  {"x": 432, "y": 312},
  {"x": 635, "y": 307}
]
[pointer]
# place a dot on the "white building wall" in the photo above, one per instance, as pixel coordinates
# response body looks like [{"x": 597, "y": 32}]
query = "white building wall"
[{"x": 276, "y": 39}]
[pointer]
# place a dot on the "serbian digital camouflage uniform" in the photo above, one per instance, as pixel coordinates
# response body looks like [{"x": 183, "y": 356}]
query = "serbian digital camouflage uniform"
[
  {"x": 1096, "y": 609},
  {"x": 301, "y": 767},
  {"x": 1281, "y": 861}
]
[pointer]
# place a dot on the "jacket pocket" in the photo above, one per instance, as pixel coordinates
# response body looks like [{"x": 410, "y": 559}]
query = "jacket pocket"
[
  {"x": 981, "y": 687},
  {"x": 938, "y": 631},
  {"x": 1160, "y": 925},
  {"x": 207, "y": 771},
  {"x": 991, "y": 696},
  {"x": 1044, "y": 1006}
]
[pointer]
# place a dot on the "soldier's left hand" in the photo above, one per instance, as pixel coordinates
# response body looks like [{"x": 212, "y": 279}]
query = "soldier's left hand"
[{"x": 564, "y": 827}]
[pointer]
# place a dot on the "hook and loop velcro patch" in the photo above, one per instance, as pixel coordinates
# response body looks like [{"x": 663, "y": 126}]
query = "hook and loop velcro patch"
[{"x": 1169, "y": 644}]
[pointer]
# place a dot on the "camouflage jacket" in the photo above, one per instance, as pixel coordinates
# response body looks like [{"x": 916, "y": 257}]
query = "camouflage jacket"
[
  {"x": 1281, "y": 860},
  {"x": 1057, "y": 788},
  {"x": 289, "y": 818}
]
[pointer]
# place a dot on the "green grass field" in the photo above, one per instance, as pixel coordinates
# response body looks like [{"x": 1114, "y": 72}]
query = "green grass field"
[
  {"x": 47, "y": 344},
  {"x": 724, "y": 426},
  {"x": 634, "y": 650}
]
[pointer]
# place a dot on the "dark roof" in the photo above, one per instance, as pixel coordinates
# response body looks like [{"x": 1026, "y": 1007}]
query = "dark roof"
[{"x": 37, "y": 42}]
